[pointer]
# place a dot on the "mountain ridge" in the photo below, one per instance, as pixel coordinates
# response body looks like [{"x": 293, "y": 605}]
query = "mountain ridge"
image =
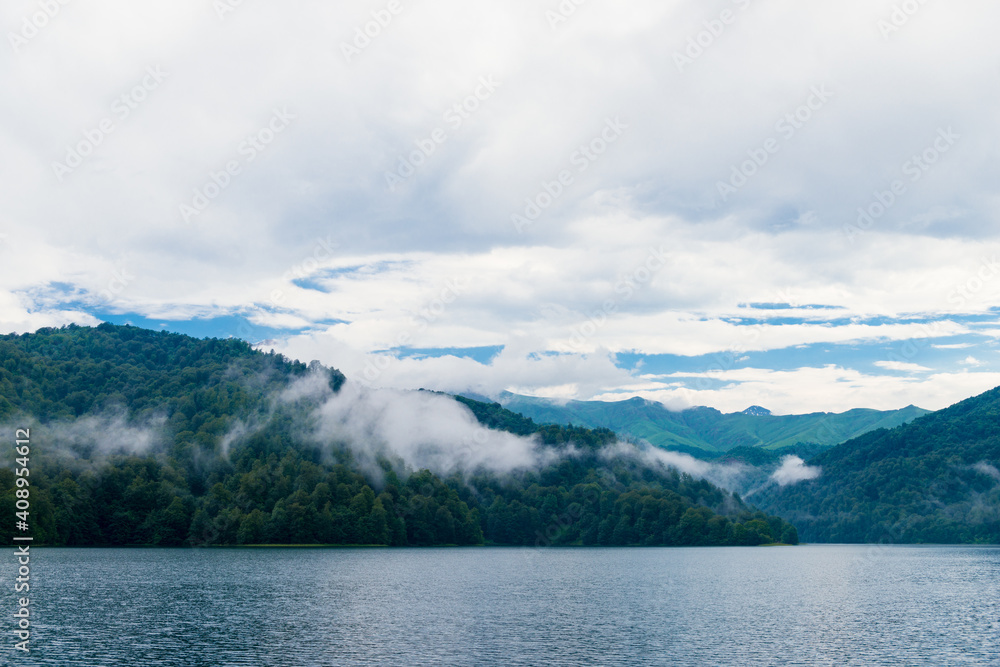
[{"x": 704, "y": 429}]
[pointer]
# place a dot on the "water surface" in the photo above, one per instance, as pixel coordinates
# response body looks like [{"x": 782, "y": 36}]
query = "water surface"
[{"x": 807, "y": 605}]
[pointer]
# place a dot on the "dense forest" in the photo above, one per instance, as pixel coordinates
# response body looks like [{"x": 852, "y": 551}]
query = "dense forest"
[
  {"x": 133, "y": 443},
  {"x": 934, "y": 480}
]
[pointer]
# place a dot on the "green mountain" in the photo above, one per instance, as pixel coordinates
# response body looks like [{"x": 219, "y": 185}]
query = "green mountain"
[
  {"x": 142, "y": 437},
  {"x": 935, "y": 480},
  {"x": 706, "y": 431}
]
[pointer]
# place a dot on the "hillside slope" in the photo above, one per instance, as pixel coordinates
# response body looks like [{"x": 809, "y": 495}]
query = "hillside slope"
[
  {"x": 701, "y": 429},
  {"x": 934, "y": 480},
  {"x": 142, "y": 437}
]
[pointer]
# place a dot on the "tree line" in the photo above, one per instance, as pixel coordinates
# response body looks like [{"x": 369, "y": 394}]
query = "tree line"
[{"x": 270, "y": 487}]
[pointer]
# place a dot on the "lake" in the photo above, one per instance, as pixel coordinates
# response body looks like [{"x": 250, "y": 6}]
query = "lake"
[{"x": 807, "y": 605}]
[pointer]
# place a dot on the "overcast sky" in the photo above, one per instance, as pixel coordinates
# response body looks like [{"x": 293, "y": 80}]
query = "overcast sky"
[{"x": 726, "y": 203}]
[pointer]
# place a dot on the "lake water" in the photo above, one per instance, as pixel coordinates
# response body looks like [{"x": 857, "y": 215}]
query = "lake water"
[{"x": 807, "y": 605}]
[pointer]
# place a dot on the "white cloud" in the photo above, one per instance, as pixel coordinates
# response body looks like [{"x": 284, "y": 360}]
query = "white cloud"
[
  {"x": 316, "y": 200},
  {"x": 424, "y": 429},
  {"x": 728, "y": 475},
  {"x": 107, "y": 433},
  {"x": 902, "y": 366},
  {"x": 812, "y": 389},
  {"x": 794, "y": 470},
  {"x": 514, "y": 368},
  {"x": 988, "y": 469}
]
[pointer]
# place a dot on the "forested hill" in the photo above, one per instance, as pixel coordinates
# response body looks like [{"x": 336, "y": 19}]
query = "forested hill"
[
  {"x": 65, "y": 373},
  {"x": 141, "y": 437},
  {"x": 935, "y": 480}
]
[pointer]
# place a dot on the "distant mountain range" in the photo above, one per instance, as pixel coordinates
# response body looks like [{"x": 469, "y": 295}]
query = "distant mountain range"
[
  {"x": 904, "y": 476},
  {"x": 706, "y": 431}
]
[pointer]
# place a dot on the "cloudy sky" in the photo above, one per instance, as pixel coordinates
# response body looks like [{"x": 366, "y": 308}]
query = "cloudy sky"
[{"x": 733, "y": 202}]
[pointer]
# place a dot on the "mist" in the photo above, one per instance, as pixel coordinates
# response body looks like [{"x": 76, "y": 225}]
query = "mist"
[
  {"x": 418, "y": 429},
  {"x": 986, "y": 469},
  {"x": 794, "y": 470},
  {"x": 434, "y": 431},
  {"x": 422, "y": 429},
  {"x": 102, "y": 434},
  {"x": 729, "y": 476}
]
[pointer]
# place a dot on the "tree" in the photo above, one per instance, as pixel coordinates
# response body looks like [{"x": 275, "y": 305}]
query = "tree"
[
  {"x": 790, "y": 535},
  {"x": 202, "y": 532},
  {"x": 251, "y": 530}
]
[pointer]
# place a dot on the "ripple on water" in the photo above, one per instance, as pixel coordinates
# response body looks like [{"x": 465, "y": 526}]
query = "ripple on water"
[{"x": 810, "y": 605}]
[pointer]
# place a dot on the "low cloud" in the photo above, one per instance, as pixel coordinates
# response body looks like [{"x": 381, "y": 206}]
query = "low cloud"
[
  {"x": 987, "y": 469},
  {"x": 730, "y": 476},
  {"x": 423, "y": 429},
  {"x": 104, "y": 434},
  {"x": 902, "y": 366},
  {"x": 794, "y": 470}
]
